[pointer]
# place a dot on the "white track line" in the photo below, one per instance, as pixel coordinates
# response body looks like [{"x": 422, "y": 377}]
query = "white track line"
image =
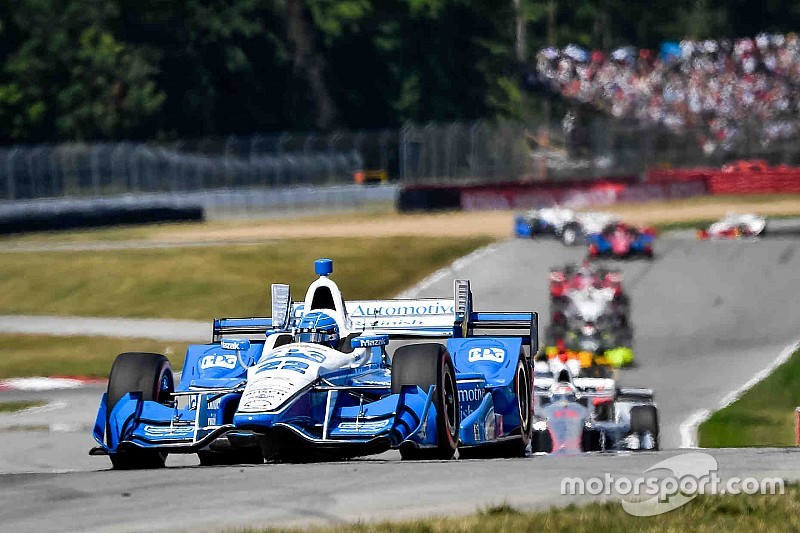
[
  {"x": 449, "y": 270},
  {"x": 39, "y": 384},
  {"x": 688, "y": 428}
]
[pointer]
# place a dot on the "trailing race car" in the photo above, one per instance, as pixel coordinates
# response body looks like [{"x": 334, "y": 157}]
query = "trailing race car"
[
  {"x": 573, "y": 277},
  {"x": 583, "y": 363},
  {"x": 619, "y": 240},
  {"x": 592, "y": 326},
  {"x": 565, "y": 224},
  {"x": 596, "y": 307},
  {"x": 576, "y": 415},
  {"x": 572, "y": 284},
  {"x": 317, "y": 381},
  {"x": 734, "y": 226}
]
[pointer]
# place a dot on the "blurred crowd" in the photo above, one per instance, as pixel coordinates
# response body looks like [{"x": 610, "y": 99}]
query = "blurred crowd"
[{"x": 724, "y": 89}]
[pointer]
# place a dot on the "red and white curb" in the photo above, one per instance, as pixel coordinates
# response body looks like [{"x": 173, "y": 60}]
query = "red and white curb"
[{"x": 37, "y": 384}]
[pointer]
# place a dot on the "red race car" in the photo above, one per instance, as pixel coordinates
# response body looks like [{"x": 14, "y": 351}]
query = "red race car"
[
  {"x": 621, "y": 240},
  {"x": 578, "y": 277}
]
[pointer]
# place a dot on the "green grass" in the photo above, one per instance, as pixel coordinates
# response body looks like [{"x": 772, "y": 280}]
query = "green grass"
[
  {"x": 710, "y": 514},
  {"x": 685, "y": 224},
  {"x": 19, "y": 405},
  {"x": 704, "y": 223},
  {"x": 763, "y": 416},
  {"x": 155, "y": 231},
  {"x": 207, "y": 282},
  {"x": 41, "y": 355}
]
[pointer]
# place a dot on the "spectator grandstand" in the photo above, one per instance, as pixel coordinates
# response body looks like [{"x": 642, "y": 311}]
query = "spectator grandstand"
[{"x": 718, "y": 88}]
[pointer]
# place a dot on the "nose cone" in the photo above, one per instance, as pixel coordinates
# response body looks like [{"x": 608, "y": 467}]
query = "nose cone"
[{"x": 620, "y": 244}]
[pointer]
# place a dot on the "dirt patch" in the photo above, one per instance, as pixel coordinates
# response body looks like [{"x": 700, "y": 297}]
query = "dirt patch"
[
  {"x": 494, "y": 224},
  {"x": 705, "y": 208}
]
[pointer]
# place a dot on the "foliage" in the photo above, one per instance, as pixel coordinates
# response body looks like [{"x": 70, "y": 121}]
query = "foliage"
[{"x": 109, "y": 69}]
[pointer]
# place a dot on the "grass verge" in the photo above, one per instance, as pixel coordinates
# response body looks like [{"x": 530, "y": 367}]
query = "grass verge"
[
  {"x": 201, "y": 283},
  {"x": 41, "y": 355},
  {"x": 763, "y": 416},
  {"x": 703, "y": 514},
  {"x": 19, "y": 405}
]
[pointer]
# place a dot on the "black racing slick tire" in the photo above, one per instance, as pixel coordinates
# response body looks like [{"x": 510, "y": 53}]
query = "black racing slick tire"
[
  {"x": 424, "y": 365},
  {"x": 644, "y": 419},
  {"x": 541, "y": 442},
  {"x": 151, "y": 375},
  {"x": 571, "y": 235},
  {"x": 523, "y": 388}
]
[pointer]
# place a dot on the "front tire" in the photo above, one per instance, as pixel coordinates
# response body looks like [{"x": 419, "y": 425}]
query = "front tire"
[
  {"x": 151, "y": 375},
  {"x": 644, "y": 420},
  {"x": 424, "y": 365}
]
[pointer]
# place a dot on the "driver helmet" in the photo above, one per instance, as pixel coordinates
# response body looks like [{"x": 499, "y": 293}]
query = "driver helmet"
[{"x": 317, "y": 327}]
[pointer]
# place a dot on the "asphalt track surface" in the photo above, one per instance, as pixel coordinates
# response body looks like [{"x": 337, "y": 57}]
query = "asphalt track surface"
[{"x": 707, "y": 317}]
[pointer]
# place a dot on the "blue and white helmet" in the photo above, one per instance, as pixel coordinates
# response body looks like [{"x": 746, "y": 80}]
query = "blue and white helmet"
[{"x": 319, "y": 328}]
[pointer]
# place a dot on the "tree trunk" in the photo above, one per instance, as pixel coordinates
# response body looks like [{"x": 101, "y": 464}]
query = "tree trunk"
[{"x": 308, "y": 64}]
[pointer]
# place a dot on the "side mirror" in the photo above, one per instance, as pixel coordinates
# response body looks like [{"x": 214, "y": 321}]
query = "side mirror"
[
  {"x": 369, "y": 341},
  {"x": 281, "y": 306},
  {"x": 240, "y": 345}
]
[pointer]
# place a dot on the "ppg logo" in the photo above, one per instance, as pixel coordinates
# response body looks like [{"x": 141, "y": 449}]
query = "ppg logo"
[
  {"x": 222, "y": 361},
  {"x": 495, "y": 355}
]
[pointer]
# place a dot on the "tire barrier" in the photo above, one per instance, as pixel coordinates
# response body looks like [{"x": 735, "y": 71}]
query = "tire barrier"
[{"x": 19, "y": 217}]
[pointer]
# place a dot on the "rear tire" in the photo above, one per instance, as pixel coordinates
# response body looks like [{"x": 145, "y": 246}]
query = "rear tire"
[
  {"x": 424, "y": 365},
  {"x": 536, "y": 225},
  {"x": 571, "y": 234},
  {"x": 541, "y": 442},
  {"x": 150, "y": 374},
  {"x": 591, "y": 441},
  {"x": 523, "y": 387},
  {"x": 644, "y": 419}
]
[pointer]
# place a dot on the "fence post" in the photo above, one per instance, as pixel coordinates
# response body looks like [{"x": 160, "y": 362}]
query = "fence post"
[
  {"x": 10, "y": 182},
  {"x": 403, "y": 149}
]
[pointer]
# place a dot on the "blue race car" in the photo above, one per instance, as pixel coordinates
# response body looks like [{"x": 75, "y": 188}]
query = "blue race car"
[
  {"x": 315, "y": 381},
  {"x": 620, "y": 241}
]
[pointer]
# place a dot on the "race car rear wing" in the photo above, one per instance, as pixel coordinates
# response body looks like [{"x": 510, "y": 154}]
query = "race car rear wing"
[
  {"x": 635, "y": 394},
  {"x": 400, "y": 318},
  {"x": 467, "y": 321}
]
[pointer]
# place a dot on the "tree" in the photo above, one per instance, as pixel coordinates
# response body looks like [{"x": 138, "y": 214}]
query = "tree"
[{"x": 70, "y": 77}]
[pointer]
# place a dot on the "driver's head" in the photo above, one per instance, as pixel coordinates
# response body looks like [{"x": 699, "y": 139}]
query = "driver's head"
[{"x": 317, "y": 327}]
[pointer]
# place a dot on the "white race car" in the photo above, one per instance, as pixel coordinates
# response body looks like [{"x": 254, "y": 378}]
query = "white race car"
[
  {"x": 734, "y": 226},
  {"x": 565, "y": 224},
  {"x": 576, "y": 415}
]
